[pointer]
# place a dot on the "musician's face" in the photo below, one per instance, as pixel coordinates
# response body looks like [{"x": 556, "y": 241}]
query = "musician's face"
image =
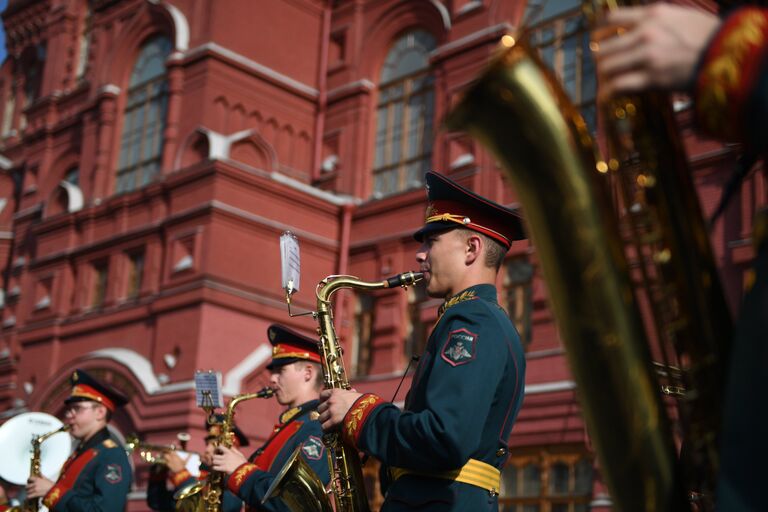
[
  {"x": 207, "y": 456},
  {"x": 85, "y": 419},
  {"x": 441, "y": 258},
  {"x": 289, "y": 382}
]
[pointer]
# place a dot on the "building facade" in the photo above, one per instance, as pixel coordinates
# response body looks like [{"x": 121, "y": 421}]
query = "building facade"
[{"x": 153, "y": 151}]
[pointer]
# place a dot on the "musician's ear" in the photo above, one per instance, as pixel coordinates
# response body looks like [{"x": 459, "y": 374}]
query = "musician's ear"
[
  {"x": 102, "y": 412},
  {"x": 309, "y": 373},
  {"x": 474, "y": 247}
]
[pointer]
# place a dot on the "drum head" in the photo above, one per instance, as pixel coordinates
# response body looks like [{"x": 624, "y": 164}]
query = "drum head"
[{"x": 16, "y": 437}]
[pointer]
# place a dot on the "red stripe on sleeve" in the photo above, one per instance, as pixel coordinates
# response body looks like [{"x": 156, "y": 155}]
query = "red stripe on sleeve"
[
  {"x": 356, "y": 416},
  {"x": 730, "y": 72},
  {"x": 240, "y": 475}
]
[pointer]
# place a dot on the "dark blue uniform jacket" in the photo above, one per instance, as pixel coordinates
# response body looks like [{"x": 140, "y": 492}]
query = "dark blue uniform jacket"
[
  {"x": 297, "y": 427},
  {"x": 465, "y": 395},
  {"x": 95, "y": 478},
  {"x": 160, "y": 498}
]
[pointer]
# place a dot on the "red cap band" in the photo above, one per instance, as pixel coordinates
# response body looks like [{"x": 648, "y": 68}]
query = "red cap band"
[{"x": 85, "y": 391}]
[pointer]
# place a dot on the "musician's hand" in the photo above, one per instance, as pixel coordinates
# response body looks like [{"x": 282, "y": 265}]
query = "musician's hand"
[
  {"x": 174, "y": 462},
  {"x": 227, "y": 459},
  {"x": 334, "y": 404},
  {"x": 657, "y": 47},
  {"x": 38, "y": 486}
]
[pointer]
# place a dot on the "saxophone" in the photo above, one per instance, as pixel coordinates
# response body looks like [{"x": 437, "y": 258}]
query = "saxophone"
[
  {"x": 33, "y": 504},
  {"x": 206, "y": 495},
  {"x": 519, "y": 111},
  {"x": 296, "y": 483}
]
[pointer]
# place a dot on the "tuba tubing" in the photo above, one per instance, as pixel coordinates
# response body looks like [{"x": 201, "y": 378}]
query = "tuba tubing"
[{"x": 548, "y": 155}]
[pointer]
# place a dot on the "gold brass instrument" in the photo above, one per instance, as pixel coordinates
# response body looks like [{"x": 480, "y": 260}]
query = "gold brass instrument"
[
  {"x": 520, "y": 112},
  {"x": 296, "y": 483},
  {"x": 206, "y": 495},
  {"x": 33, "y": 504},
  {"x": 153, "y": 453}
]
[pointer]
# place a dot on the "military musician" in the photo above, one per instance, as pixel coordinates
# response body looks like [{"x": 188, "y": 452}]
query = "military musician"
[
  {"x": 722, "y": 61},
  {"x": 173, "y": 470},
  {"x": 97, "y": 476},
  {"x": 296, "y": 376},
  {"x": 444, "y": 451}
]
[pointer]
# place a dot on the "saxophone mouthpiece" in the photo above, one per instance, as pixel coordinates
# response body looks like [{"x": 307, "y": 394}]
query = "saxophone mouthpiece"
[
  {"x": 266, "y": 392},
  {"x": 405, "y": 279}
]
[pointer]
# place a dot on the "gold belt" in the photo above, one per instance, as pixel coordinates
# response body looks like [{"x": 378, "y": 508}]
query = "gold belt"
[{"x": 474, "y": 472}]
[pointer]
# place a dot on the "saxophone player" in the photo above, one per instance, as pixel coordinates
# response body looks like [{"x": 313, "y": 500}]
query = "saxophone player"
[
  {"x": 4, "y": 504},
  {"x": 174, "y": 471},
  {"x": 97, "y": 476},
  {"x": 722, "y": 61},
  {"x": 296, "y": 377},
  {"x": 444, "y": 451}
]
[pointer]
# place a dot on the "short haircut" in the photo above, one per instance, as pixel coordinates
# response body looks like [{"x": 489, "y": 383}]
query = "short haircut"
[
  {"x": 319, "y": 380},
  {"x": 107, "y": 412},
  {"x": 494, "y": 251}
]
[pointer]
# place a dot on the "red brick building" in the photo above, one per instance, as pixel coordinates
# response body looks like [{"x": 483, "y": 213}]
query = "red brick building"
[{"x": 152, "y": 152}]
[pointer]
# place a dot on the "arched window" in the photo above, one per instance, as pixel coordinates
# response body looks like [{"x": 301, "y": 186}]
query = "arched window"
[
  {"x": 404, "y": 117},
  {"x": 144, "y": 122}
]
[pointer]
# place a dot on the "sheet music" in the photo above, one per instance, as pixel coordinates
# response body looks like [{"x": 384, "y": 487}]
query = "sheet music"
[
  {"x": 290, "y": 262},
  {"x": 208, "y": 392}
]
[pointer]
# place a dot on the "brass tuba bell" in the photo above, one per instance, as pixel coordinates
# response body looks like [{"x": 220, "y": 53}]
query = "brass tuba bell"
[
  {"x": 519, "y": 111},
  {"x": 298, "y": 486}
]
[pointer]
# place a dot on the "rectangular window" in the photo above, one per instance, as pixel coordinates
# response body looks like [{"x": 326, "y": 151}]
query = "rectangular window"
[
  {"x": 43, "y": 292},
  {"x": 560, "y": 32},
  {"x": 10, "y": 105},
  {"x": 100, "y": 277},
  {"x": 135, "y": 273},
  {"x": 547, "y": 479},
  {"x": 419, "y": 320},
  {"x": 518, "y": 295},
  {"x": 85, "y": 43},
  {"x": 364, "y": 316}
]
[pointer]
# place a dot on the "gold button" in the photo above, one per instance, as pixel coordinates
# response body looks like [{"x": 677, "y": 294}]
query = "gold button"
[{"x": 501, "y": 452}]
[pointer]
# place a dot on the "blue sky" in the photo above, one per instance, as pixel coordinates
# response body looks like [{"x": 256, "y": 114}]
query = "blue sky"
[{"x": 3, "y": 3}]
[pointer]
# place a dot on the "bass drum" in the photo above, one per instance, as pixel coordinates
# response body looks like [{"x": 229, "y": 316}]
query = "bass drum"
[{"x": 16, "y": 437}]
